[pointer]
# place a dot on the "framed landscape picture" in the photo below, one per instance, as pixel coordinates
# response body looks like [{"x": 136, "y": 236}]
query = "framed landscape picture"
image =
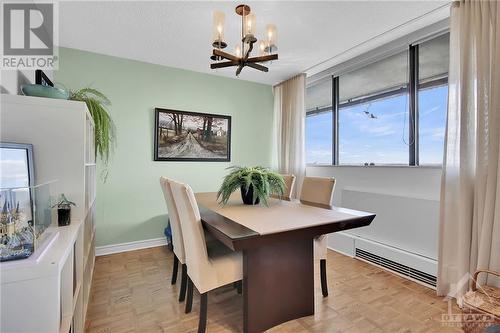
[{"x": 191, "y": 136}]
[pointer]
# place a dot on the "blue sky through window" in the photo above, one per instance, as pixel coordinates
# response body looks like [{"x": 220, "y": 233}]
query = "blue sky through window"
[
  {"x": 319, "y": 138},
  {"x": 383, "y": 137},
  {"x": 433, "y": 105},
  {"x": 375, "y": 132}
]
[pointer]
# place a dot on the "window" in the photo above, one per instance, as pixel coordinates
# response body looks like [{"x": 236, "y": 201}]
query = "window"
[
  {"x": 319, "y": 123},
  {"x": 373, "y": 113},
  {"x": 319, "y": 138},
  {"x": 374, "y": 132},
  {"x": 433, "y": 98},
  {"x": 389, "y": 112},
  {"x": 432, "y": 104}
]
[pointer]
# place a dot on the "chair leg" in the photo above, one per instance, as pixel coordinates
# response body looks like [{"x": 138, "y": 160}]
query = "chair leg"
[
  {"x": 174, "y": 270},
  {"x": 239, "y": 286},
  {"x": 324, "y": 283},
  {"x": 189, "y": 301},
  {"x": 202, "y": 324},
  {"x": 182, "y": 294}
]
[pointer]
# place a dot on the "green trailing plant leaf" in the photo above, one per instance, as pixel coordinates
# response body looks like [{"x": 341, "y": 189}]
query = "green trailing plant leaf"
[
  {"x": 263, "y": 181},
  {"x": 104, "y": 128}
]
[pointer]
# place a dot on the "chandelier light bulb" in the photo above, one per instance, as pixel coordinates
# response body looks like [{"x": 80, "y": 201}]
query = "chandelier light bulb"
[
  {"x": 271, "y": 34},
  {"x": 218, "y": 31},
  {"x": 262, "y": 47},
  {"x": 249, "y": 25},
  {"x": 271, "y": 38}
]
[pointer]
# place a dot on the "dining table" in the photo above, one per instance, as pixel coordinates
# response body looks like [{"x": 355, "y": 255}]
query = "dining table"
[{"x": 277, "y": 245}]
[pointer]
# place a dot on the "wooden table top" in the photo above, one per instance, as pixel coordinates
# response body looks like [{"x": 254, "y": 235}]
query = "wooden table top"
[{"x": 236, "y": 222}]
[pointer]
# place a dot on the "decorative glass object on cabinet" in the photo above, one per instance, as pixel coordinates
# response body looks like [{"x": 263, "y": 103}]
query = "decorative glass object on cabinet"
[{"x": 25, "y": 215}]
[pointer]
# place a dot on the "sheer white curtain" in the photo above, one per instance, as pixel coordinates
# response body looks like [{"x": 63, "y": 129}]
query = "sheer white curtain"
[
  {"x": 289, "y": 128},
  {"x": 470, "y": 194}
]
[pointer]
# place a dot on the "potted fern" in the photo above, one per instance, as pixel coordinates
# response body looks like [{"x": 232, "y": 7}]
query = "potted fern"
[
  {"x": 255, "y": 184},
  {"x": 104, "y": 128}
]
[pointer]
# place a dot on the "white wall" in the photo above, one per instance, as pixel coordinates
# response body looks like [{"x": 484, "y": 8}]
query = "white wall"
[
  {"x": 412, "y": 183},
  {"x": 422, "y": 182}
]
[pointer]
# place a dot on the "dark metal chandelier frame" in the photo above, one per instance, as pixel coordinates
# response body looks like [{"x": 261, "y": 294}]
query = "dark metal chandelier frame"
[{"x": 247, "y": 45}]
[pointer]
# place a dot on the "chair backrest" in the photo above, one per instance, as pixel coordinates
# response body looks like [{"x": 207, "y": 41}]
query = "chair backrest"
[
  {"x": 317, "y": 191},
  {"x": 198, "y": 265},
  {"x": 289, "y": 185},
  {"x": 177, "y": 239}
]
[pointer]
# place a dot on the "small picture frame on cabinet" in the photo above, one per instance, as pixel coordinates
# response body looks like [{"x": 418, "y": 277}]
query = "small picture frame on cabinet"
[{"x": 41, "y": 78}]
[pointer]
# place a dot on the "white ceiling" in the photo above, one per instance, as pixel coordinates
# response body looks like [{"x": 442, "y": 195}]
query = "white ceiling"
[{"x": 178, "y": 33}]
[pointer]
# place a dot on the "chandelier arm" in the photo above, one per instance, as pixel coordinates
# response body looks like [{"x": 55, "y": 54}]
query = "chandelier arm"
[
  {"x": 226, "y": 55},
  {"x": 224, "y": 64},
  {"x": 263, "y": 58},
  {"x": 257, "y": 66}
]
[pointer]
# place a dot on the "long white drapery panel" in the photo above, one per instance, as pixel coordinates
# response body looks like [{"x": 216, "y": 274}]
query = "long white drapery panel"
[
  {"x": 470, "y": 194},
  {"x": 289, "y": 128}
]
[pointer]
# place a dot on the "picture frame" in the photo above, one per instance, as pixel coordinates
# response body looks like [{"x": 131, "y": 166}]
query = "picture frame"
[
  {"x": 191, "y": 136},
  {"x": 42, "y": 79},
  {"x": 16, "y": 201}
]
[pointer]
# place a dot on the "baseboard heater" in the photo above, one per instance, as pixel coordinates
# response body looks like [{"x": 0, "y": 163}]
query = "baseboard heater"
[{"x": 401, "y": 269}]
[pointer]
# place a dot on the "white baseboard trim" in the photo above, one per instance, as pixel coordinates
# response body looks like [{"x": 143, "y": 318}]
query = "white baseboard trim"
[
  {"x": 130, "y": 246},
  {"x": 339, "y": 251}
]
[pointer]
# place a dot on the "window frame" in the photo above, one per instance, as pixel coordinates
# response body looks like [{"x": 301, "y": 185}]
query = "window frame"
[{"x": 412, "y": 88}]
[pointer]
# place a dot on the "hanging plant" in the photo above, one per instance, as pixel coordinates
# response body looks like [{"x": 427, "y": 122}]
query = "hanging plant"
[{"x": 104, "y": 128}]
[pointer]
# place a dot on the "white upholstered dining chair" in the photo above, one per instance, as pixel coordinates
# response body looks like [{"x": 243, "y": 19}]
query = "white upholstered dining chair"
[
  {"x": 207, "y": 268},
  {"x": 318, "y": 192},
  {"x": 177, "y": 240},
  {"x": 289, "y": 185}
]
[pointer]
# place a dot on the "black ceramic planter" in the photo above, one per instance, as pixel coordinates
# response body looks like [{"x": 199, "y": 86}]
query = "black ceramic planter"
[
  {"x": 247, "y": 196},
  {"x": 63, "y": 216}
]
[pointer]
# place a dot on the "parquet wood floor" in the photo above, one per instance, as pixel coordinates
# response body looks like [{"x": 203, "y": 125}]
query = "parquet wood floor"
[{"x": 131, "y": 292}]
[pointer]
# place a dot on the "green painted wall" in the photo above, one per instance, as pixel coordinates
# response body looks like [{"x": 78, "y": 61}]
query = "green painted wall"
[{"x": 130, "y": 204}]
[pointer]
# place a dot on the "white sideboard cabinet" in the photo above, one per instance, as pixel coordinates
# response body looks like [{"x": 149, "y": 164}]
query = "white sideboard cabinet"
[{"x": 49, "y": 291}]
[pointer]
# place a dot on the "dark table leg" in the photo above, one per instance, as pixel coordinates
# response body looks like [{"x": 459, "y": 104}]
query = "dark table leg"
[{"x": 278, "y": 284}]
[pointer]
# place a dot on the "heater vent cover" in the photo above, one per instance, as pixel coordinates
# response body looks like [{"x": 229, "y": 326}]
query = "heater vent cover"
[{"x": 397, "y": 267}]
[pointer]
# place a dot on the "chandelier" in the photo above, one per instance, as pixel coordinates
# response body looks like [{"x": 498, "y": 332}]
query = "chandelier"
[{"x": 241, "y": 56}]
